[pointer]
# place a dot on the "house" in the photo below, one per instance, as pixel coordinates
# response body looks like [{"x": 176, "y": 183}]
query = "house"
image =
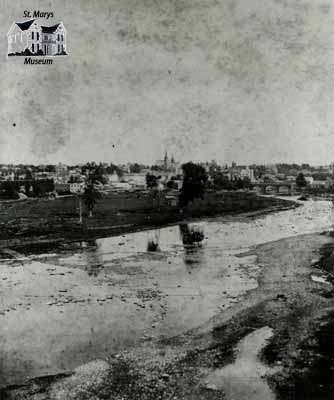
[
  {"x": 77, "y": 187},
  {"x": 171, "y": 200},
  {"x": 309, "y": 180},
  {"x": 247, "y": 173},
  {"x": 178, "y": 183},
  {"x": 30, "y": 36},
  {"x": 62, "y": 173},
  {"x": 113, "y": 178},
  {"x": 134, "y": 179},
  {"x": 317, "y": 184}
]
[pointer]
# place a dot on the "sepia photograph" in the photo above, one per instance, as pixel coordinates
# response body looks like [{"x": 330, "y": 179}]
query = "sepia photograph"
[{"x": 167, "y": 200}]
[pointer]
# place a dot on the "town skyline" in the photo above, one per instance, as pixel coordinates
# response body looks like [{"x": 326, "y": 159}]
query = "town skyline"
[
  {"x": 156, "y": 162},
  {"x": 23, "y": 181}
]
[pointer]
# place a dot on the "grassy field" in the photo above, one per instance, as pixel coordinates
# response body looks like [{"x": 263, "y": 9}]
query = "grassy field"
[{"x": 117, "y": 213}]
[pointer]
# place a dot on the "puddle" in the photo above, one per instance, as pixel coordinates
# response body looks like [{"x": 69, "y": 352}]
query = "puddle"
[
  {"x": 244, "y": 379},
  {"x": 320, "y": 279}
]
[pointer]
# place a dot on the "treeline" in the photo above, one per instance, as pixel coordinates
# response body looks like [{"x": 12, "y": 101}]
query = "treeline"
[
  {"x": 98, "y": 171},
  {"x": 10, "y": 190}
]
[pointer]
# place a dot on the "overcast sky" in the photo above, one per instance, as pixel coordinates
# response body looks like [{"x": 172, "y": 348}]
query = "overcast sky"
[{"x": 244, "y": 80}]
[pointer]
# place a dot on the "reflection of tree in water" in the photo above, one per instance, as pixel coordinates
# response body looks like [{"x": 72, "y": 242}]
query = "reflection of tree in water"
[
  {"x": 192, "y": 238},
  {"x": 153, "y": 241},
  {"x": 193, "y": 257},
  {"x": 191, "y": 235},
  {"x": 94, "y": 257}
]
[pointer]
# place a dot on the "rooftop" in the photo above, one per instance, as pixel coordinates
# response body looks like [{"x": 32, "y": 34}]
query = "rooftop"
[
  {"x": 25, "y": 25},
  {"x": 49, "y": 29}
]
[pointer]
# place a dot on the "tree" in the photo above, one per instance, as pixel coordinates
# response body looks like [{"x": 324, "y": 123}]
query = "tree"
[
  {"x": 221, "y": 181},
  {"x": 28, "y": 175},
  {"x": 152, "y": 181},
  {"x": 247, "y": 182},
  {"x": 171, "y": 184},
  {"x": 98, "y": 175},
  {"x": 110, "y": 169},
  {"x": 300, "y": 180},
  {"x": 72, "y": 179},
  {"x": 91, "y": 196},
  {"x": 26, "y": 52},
  {"x": 156, "y": 168},
  {"x": 27, "y": 185},
  {"x": 135, "y": 168},
  {"x": 243, "y": 183},
  {"x": 41, "y": 188},
  {"x": 50, "y": 168},
  {"x": 10, "y": 190},
  {"x": 194, "y": 182}
]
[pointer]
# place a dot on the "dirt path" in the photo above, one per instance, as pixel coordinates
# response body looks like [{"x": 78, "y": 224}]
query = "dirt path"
[{"x": 287, "y": 301}]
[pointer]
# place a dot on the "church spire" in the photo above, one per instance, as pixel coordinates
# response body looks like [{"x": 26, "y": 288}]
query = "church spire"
[{"x": 166, "y": 161}]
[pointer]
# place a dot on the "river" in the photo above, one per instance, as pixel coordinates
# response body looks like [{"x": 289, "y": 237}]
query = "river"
[{"x": 82, "y": 301}]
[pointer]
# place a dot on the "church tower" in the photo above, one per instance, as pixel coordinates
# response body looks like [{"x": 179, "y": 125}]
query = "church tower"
[{"x": 166, "y": 161}]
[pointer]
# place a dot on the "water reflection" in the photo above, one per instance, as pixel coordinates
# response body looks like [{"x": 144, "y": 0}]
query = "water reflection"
[
  {"x": 153, "y": 241},
  {"x": 93, "y": 257},
  {"x": 194, "y": 258},
  {"x": 191, "y": 235},
  {"x": 192, "y": 238}
]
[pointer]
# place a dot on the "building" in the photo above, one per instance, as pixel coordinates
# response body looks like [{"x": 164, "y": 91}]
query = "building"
[
  {"x": 247, "y": 173},
  {"x": 113, "y": 178},
  {"x": 309, "y": 180},
  {"x": 163, "y": 164},
  {"x": 316, "y": 184},
  {"x": 134, "y": 180},
  {"x": 62, "y": 174},
  {"x": 9, "y": 176},
  {"x": 169, "y": 164},
  {"x": 77, "y": 187},
  {"x": 240, "y": 172},
  {"x": 30, "y": 36}
]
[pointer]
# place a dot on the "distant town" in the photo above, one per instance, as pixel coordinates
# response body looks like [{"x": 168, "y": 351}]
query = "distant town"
[{"x": 21, "y": 181}]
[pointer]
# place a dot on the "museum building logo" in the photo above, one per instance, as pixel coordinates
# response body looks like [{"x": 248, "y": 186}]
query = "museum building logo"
[{"x": 32, "y": 39}]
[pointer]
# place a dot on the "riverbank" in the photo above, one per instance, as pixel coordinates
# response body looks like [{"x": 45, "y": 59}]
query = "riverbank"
[
  {"x": 266, "y": 285},
  {"x": 183, "y": 367},
  {"x": 44, "y": 221}
]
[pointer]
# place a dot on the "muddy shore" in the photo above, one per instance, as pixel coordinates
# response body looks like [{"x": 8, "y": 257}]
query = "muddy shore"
[{"x": 298, "y": 309}]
